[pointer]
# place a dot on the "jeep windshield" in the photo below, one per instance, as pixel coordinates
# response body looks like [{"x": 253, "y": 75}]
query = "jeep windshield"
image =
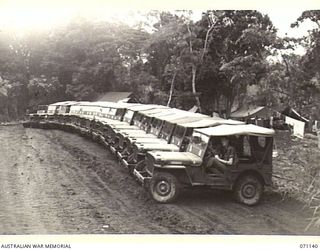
[
  {"x": 155, "y": 126},
  {"x": 104, "y": 112},
  {"x": 178, "y": 135},
  {"x": 119, "y": 114},
  {"x": 166, "y": 131},
  {"x": 42, "y": 109},
  {"x": 128, "y": 116},
  {"x": 142, "y": 122},
  {"x": 112, "y": 113},
  {"x": 198, "y": 144}
]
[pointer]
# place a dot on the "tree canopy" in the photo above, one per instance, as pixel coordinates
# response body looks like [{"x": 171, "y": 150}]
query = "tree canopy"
[{"x": 210, "y": 63}]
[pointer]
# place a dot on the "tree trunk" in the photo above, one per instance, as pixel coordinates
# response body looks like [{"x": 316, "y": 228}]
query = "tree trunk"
[
  {"x": 171, "y": 88},
  {"x": 194, "y": 67},
  {"x": 194, "y": 73},
  {"x": 230, "y": 101},
  {"x": 206, "y": 42},
  {"x": 194, "y": 91},
  {"x": 216, "y": 105}
]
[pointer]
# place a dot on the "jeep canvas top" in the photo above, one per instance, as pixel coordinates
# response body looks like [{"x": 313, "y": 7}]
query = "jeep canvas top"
[
  {"x": 163, "y": 128},
  {"x": 156, "y": 112},
  {"x": 162, "y": 136},
  {"x": 136, "y": 122},
  {"x": 113, "y": 114},
  {"x": 141, "y": 130},
  {"x": 170, "y": 115}
]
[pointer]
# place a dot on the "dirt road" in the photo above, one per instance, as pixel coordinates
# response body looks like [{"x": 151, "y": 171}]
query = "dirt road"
[{"x": 53, "y": 182}]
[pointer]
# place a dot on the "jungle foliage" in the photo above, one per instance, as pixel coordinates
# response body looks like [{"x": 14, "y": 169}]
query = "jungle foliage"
[{"x": 213, "y": 63}]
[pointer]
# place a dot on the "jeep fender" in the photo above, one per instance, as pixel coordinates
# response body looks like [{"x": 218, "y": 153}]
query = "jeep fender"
[
  {"x": 251, "y": 172},
  {"x": 179, "y": 171}
]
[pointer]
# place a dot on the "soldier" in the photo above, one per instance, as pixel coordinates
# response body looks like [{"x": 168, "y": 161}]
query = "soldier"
[{"x": 221, "y": 157}]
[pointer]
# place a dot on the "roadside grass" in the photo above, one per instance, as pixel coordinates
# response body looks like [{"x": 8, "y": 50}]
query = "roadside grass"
[{"x": 297, "y": 172}]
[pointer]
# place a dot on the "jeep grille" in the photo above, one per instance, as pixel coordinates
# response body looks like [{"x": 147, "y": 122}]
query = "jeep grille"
[
  {"x": 149, "y": 163},
  {"x": 135, "y": 153}
]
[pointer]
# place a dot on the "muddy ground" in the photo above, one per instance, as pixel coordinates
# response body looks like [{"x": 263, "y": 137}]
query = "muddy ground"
[{"x": 54, "y": 182}]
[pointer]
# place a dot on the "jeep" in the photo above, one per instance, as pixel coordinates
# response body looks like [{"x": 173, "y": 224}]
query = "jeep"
[{"x": 166, "y": 173}]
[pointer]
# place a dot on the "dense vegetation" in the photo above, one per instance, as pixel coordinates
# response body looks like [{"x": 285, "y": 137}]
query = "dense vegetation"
[{"x": 220, "y": 62}]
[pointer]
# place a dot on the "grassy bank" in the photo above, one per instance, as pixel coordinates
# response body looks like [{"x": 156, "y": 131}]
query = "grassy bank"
[{"x": 297, "y": 171}]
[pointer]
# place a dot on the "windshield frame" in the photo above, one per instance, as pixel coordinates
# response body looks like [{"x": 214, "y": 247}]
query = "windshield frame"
[
  {"x": 177, "y": 137},
  {"x": 166, "y": 130},
  {"x": 128, "y": 115},
  {"x": 155, "y": 126},
  {"x": 198, "y": 149}
]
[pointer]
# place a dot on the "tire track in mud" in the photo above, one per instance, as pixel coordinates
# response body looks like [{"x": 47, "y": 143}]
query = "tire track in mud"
[
  {"x": 43, "y": 191},
  {"x": 111, "y": 198},
  {"x": 243, "y": 222},
  {"x": 269, "y": 217},
  {"x": 18, "y": 215}
]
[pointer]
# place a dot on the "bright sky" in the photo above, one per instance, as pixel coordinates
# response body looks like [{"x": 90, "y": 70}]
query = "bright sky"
[
  {"x": 283, "y": 19},
  {"x": 37, "y": 15}
]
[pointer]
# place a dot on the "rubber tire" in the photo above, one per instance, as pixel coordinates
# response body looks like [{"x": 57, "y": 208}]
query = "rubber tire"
[
  {"x": 243, "y": 183},
  {"x": 170, "y": 180}
]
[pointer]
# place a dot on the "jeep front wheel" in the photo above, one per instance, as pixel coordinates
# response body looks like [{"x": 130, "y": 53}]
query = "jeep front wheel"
[
  {"x": 248, "y": 190},
  {"x": 164, "y": 187}
]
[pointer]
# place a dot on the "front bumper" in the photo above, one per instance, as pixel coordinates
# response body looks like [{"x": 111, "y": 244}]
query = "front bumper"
[{"x": 142, "y": 176}]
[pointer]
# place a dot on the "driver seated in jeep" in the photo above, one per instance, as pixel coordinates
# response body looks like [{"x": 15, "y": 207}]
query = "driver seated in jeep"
[{"x": 221, "y": 157}]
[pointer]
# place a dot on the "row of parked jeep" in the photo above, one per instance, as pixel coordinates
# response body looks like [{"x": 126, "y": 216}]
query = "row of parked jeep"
[{"x": 164, "y": 148}]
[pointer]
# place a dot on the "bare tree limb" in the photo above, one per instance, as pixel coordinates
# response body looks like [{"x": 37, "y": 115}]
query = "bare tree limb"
[
  {"x": 212, "y": 25},
  {"x": 190, "y": 43},
  {"x": 194, "y": 72},
  {"x": 286, "y": 63},
  {"x": 172, "y": 87},
  {"x": 280, "y": 91}
]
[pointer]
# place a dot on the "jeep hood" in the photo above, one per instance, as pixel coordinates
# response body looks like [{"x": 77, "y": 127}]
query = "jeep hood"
[
  {"x": 176, "y": 158},
  {"x": 132, "y": 133},
  {"x": 157, "y": 146},
  {"x": 135, "y": 137},
  {"x": 126, "y": 128},
  {"x": 139, "y": 140}
]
